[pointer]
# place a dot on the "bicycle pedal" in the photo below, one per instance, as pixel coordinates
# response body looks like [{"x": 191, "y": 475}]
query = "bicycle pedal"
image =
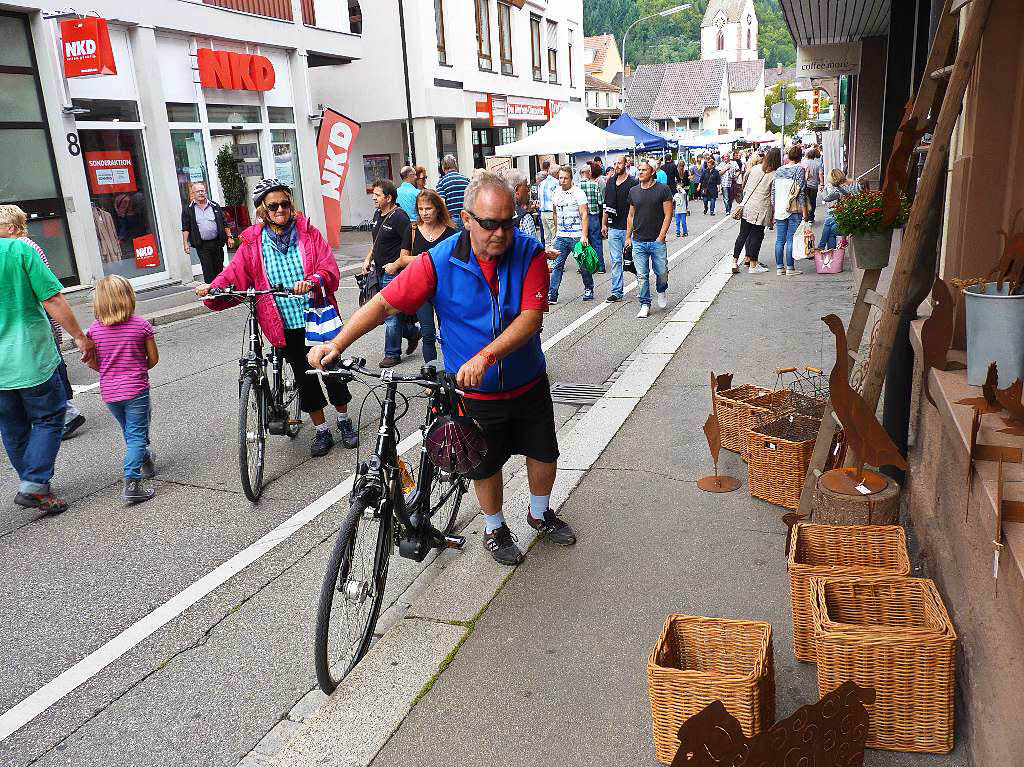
[{"x": 454, "y": 541}]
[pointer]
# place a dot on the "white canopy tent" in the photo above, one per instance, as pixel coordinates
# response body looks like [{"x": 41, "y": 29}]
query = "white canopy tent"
[{"x": 566, "y": 133}]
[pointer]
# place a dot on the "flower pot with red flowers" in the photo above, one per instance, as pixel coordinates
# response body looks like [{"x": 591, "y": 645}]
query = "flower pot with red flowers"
[{"x": 859, "y": 216}]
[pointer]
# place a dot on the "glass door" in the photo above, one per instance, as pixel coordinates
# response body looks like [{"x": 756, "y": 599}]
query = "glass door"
[
  {"x": 190, "y": 168},
  {"x": 28, "y": 174}
]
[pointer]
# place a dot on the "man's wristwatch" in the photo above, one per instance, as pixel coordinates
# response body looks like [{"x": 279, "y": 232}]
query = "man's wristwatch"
[{"x": 489, "y": 358}]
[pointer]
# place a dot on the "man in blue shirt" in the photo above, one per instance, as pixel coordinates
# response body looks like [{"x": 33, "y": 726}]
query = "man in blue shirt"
[
  {"x": 452, "y": 188},
  {"x": 546, "y": 192},
  {"x": 408, "y": 191}
]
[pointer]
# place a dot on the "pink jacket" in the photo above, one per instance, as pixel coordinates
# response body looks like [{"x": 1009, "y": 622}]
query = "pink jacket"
[{"x": 246, "y": 270}]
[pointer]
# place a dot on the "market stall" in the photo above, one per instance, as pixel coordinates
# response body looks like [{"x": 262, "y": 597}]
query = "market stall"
[{"x": 566, "y": 133}]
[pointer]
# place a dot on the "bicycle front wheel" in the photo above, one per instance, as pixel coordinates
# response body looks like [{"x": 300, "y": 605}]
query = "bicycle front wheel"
[
  {"x": 351, "y": 595},
  {"x": 252, "y": 437},
  {"x": 446, "y": 491}
]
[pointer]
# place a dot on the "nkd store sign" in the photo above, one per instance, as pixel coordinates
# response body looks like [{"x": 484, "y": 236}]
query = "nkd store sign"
[{"x": 830, "y": 60}]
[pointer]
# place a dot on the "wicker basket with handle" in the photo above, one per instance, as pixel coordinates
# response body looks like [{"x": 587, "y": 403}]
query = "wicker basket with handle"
[
  {"x": 893, "y": 635},
  {"x": 735, "y": 414},
  {"x": 778, "y": 455},
  {"x": 699, "y": 660},
  {"x": 826, "y": 550}
]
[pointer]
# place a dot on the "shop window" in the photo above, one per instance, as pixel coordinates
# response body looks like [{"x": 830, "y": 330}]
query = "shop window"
[
  {"x": 106, "y": 110},
  {"x": 182, "y": 113},
  {"x": 506, "y": 135},
  {"x": 15, "y": 52},
  {"x": 189, "y": 162},
  {"x": 122, "y": 202},
  {"x": 552, "y": 52},
  {"x": 286, "y": 162},
  {"x": 483, "y": 34},
  {"x": 505, "y": 37},
  {"x": 26, "y": 156},
  {"x": 538, "y": 73},
  {"x": 355, "y": 17},
  {"x": 442, "y": 52},
  {"x": 446, "y": 143},
  {"x": 375, "y": 168},
  {"x": 233, "y": 113},
  {"x": 281, "y": 114},
  {"x": 19, "y": 99}
]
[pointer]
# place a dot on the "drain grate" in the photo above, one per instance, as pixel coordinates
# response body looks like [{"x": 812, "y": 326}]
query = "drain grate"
[{"x": 577, "y": 394}]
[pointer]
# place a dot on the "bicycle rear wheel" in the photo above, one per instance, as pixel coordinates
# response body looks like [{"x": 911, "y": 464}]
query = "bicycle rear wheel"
[
  {"x": 446, "y": 491},
  {"x": 351, "y": 594},
  {"x": 252, "y": 436}
]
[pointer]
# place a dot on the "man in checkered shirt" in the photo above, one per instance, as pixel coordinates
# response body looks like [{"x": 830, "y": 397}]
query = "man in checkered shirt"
[{"x": 595, "y": 204}]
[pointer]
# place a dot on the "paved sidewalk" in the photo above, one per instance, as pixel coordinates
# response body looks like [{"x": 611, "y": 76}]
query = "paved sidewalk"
[{"x": 554, "y": 671}]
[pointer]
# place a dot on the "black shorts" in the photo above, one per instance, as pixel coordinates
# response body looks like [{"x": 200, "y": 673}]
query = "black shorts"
[{"x": 524, "y": 425}]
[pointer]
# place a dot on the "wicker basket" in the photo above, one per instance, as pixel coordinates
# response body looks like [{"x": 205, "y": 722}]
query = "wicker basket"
[
  {"x": 783, "y": 402},
  {"x": 893, "y": 635},
  {"x": 734, "y": 414},
  {"x": 776, "y": 464},
  {"x": 826, "y": 550},
  {"x": 701, "y": 660}
]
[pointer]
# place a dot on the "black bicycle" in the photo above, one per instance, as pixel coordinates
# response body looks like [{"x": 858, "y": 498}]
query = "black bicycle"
[
  {"x": 382, "y": 515},
  {"x": 267, "y": 404}
]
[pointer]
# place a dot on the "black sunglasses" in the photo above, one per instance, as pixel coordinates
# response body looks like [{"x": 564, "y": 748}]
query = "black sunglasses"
[
  {"x": 491, "y": 224},
  {"x": 284, "y": 204}
]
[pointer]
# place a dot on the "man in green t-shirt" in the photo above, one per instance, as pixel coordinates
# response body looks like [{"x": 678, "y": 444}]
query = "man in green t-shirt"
[{"x": 32, "y": 396}]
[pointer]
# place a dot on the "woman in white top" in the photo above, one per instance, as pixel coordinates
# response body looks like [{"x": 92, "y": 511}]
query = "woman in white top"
[{"x": 757, "y": 211}]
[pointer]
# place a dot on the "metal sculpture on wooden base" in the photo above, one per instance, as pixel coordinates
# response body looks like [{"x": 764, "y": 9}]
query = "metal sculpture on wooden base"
[
  {"x": 1006, "y": 511},
  {"x": 864, "y": 434},
  {"x": 979, "y": 451},
  {"x": 829, "y": 733},
  {"x": 717, "y": 483},
  {"x": 937, "y": 334}
]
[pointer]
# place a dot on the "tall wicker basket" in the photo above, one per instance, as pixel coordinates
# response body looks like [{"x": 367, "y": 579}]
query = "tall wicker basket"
[
  {"x": 701, "y": 660},
  {"x": 893, "y": 635},
  {"x": 826, "y": 550},
  {"x": 778, "y": 454},
  {"x": 735, "y": 415}
]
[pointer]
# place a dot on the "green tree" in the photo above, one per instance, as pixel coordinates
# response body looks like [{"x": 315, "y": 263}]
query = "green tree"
[
  {"x": 771, "y": 96},
  {"x": 231, "y": 182}
]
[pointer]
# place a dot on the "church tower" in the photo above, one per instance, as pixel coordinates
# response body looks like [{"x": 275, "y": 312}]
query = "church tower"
[{"x": 729, "y": 31}]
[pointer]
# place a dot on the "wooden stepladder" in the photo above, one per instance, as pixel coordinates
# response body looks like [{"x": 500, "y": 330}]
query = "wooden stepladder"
[{"x": 935, "y": 108}]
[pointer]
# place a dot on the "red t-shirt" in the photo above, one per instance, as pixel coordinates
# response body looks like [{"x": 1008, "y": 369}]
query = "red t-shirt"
[{"x": 417, "y": 282}]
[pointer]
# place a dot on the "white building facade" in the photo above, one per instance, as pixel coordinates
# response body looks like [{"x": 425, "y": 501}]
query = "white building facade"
[
  {"x": 104, "y": 164},
  {"x": 729, "y": 31},
  {"x": 480, "y": 73}
]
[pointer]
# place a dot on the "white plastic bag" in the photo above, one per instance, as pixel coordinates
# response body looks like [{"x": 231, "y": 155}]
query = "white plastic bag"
[{"x": 803, "y": 242}]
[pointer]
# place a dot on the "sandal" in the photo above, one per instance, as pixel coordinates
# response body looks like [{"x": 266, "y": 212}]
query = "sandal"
[{"x": 45, "y": 502}]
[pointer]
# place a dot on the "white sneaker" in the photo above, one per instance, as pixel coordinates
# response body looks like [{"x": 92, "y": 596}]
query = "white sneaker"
[
  {"x": 791, "y": 272},
  {"x": 780, "y": 270},
  {"x": 757, "y": 269},
  {"x": 662, "y": 301},
  {"x": 644, "y": 313}
]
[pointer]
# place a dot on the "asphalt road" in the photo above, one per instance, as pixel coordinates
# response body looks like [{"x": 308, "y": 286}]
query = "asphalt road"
[{"x": 205, "y": 687}]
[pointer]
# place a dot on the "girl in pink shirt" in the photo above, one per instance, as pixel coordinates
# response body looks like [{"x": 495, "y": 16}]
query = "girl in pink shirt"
[{"x": 125, "y": 351}]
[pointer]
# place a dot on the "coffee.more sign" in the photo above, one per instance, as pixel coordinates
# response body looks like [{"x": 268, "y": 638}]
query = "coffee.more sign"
[{"x": 831, "y": 60}]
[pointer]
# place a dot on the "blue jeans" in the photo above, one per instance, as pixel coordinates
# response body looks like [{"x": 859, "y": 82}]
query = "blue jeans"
[
  {"x": 133, "y": 415},
  {"x": 395, "y": 327},
  {"x": 829, "y": 233},
  {"x": 616, "y": 241},
  {"x": 594, "y": 233},
  {"x": 727, "y": 198},
  {"x": 428, "y": 331},
  {"x": 709, "y": 204},
  {"x": 564, "y": 246},
  {"x": 784, "y": 231},
  {"x": 648, "y": 255},
  {"x": 681, "y": 223},
  {"x": 31, "y": 425}
]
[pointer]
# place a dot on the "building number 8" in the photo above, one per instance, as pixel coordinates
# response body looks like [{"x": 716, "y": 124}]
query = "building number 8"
[{"x": 74, "y": 148}]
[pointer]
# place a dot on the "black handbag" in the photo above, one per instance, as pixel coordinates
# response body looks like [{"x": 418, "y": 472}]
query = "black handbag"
[
  {"x": 627, "y": 259},
  {"x": 369, "y": 285}
]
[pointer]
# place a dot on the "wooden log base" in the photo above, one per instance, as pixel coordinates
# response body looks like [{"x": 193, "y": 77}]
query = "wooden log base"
[
  {"x": 846, "y": 482},
  {"x": 836, "y": 508},
  {"x": 718, "y": 483}
]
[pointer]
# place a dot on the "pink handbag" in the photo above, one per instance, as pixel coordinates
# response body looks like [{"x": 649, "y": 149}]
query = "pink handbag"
[{"x": 830, "y": 261}]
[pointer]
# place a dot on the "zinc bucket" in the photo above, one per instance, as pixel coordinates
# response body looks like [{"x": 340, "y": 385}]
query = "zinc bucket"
[{"x": 995, "y": 333}]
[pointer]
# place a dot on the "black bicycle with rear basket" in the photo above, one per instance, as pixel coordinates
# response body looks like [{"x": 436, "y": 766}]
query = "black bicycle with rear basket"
[
  {"x": 268, "y": 402},
  {"x": 387, "y": 510}
]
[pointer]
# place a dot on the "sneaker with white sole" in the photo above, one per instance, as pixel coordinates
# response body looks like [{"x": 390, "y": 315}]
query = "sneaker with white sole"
[
  {"x": 791, "y": 272},
  {"x": 644, "y": 313},
  {"x": 662, "y": 301},
  {"x": 757, "y": 269},
  {"x": 780, "y": 270}
]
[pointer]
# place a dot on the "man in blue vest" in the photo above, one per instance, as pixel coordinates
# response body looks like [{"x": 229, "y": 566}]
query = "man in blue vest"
[{"x": 489, "y": 287}]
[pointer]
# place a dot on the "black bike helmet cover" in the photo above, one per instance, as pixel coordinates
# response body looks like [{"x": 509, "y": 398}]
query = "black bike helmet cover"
[{"x": 266, "y": 186}]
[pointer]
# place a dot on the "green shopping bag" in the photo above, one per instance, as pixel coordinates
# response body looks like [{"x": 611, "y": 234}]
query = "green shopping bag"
[{"x": 586, "y": 257}]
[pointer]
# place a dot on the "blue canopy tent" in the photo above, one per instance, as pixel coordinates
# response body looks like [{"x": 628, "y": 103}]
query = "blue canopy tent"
[{"x": 645, "y": 140}]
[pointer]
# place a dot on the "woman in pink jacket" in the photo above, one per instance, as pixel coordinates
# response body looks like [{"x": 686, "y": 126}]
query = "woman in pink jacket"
[{"x": 288, "y": 250}]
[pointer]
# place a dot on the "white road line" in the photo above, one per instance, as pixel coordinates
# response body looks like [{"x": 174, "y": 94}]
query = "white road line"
[
  {"x": 582, "y": 320},
  {"x": 28, "y": 709}
]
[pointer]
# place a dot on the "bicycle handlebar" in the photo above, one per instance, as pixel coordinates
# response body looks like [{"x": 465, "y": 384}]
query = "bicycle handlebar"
[
  {"x": 278, "y": 291},
  {"x": 348, "y": 367}
]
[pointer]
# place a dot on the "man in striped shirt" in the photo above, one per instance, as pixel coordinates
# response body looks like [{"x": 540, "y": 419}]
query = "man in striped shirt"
[{"x": 452, "y": 188}]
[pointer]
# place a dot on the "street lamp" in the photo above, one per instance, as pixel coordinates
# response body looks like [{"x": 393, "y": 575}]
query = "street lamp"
[{"x": 667, "y": 12}]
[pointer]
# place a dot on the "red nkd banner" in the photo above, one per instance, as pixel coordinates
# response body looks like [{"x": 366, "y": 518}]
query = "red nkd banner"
[
  {"x": 86, "y": 48},
  {"x": 146, "y": 254},
  {"x": 337, "y": 134}
]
